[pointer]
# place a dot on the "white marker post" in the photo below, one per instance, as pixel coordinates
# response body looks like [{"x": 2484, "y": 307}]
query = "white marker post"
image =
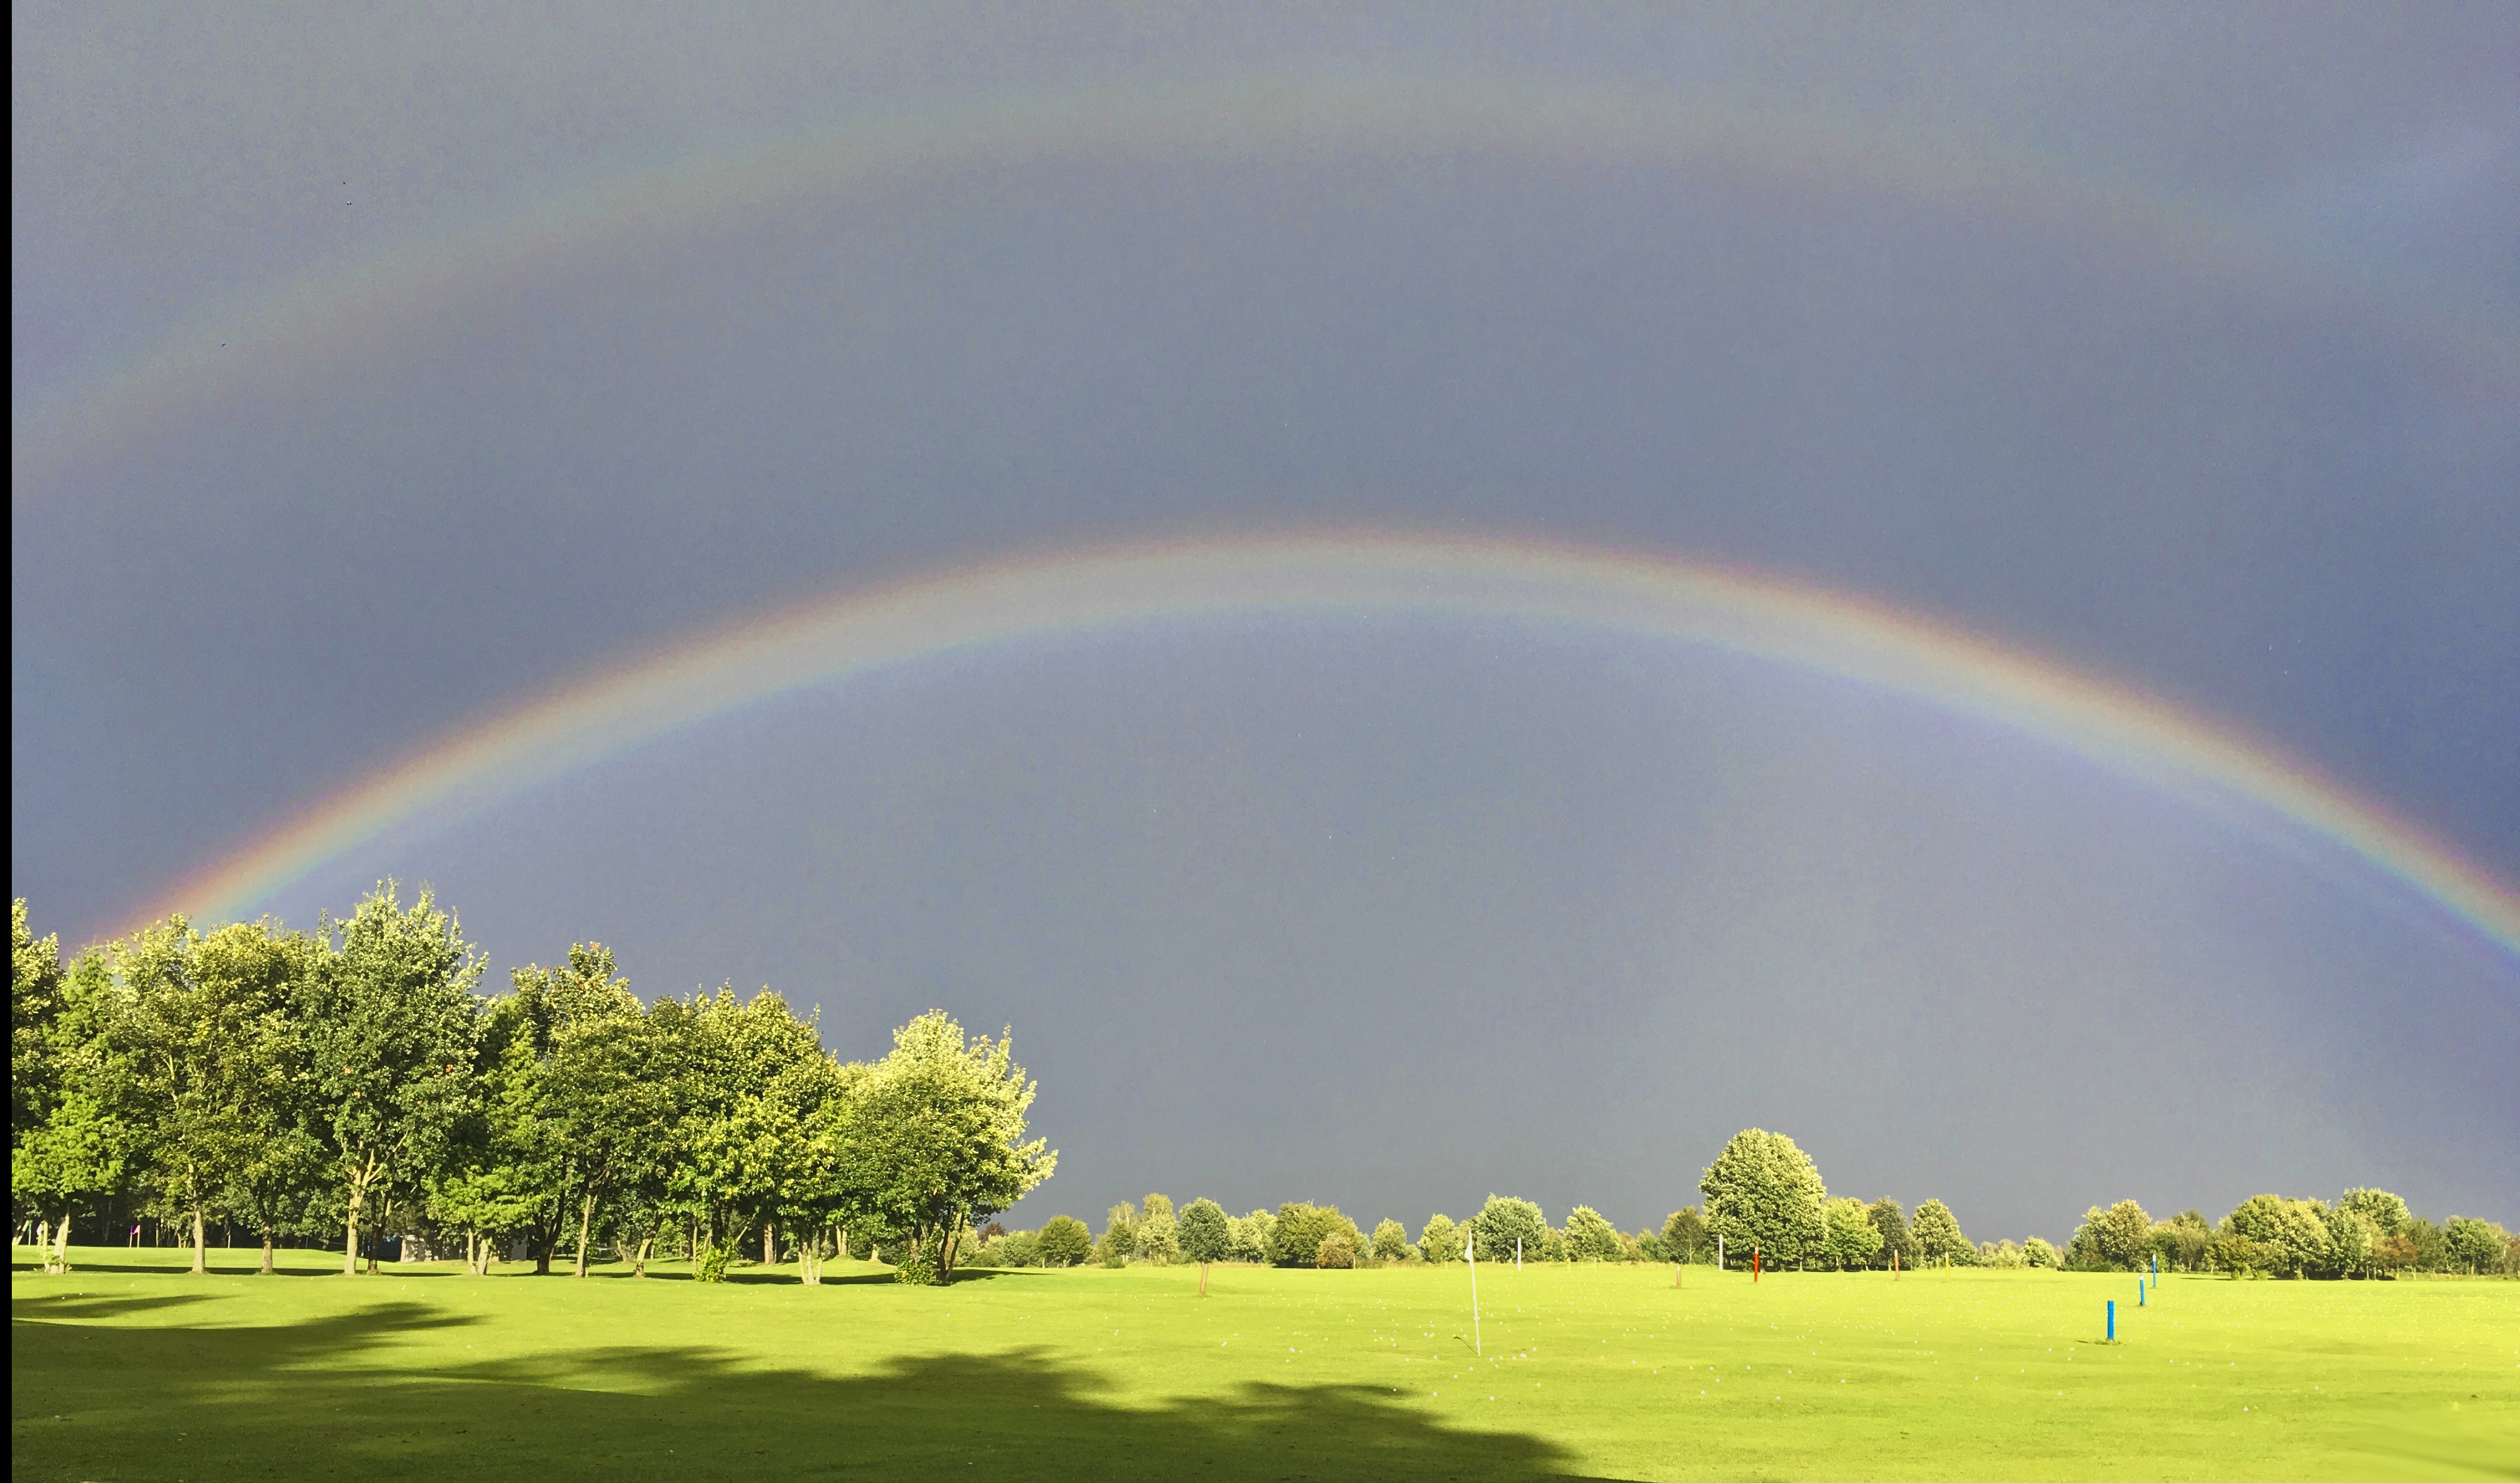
[
  {"x": 1719, "y": 1253},
  {"x": 1473, "y": 1250},
  {"x": 1518, "y": 1253}
]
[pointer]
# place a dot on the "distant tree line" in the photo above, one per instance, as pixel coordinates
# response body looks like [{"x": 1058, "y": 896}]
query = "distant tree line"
[
  {"x": 352, "y": 1079},
  {"x": 1763, "y": 1194}
]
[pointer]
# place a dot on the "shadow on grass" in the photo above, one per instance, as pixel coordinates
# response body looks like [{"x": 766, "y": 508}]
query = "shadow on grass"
[{"x": 326, "y": 1399}]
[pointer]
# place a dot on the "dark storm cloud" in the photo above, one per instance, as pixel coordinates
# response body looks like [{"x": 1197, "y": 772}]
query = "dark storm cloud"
[{"x": 2290, "y": 514}]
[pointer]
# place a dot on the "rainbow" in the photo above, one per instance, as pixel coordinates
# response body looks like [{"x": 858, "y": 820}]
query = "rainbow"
[
  {"x": 829, "y": 642},
  {"x": 292, "y": 337}
]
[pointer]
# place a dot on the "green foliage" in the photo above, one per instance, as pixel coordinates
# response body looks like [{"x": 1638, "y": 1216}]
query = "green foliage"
[
  {"x": 1158, "y": 1234},
  {"x": 2037, "y": 1252},
  {"x": 2387, "y": 1213},
  {"x": 1764, "y": 1193},
  {"x": 935, "y": 1135},
  {"x": 1685, "y": 1236},
  {"x": 1936, "y": 1233},
  {"x": 1338, "y": 1249},
  {"x": 2181, "y": 1241},
  {"x": 1852, "y": 1238},
  {"x": 1065, "y": 1241},
  {"x": 1391, "y": 1241},
  {"x": 1502, "y": 1223},
  {"x": 1591, "y": 1238},
  {"x": 1119, "y": 1234},
  {"x": 2119, "y": 1237},
  {"x": 1439, "y": 1239},
  {"x": 2291, "y": 1234},
  {"x": 1254, "y": 1234},
  {"x": 1891, "y": 1221},
  {"x": 2350, "y": 1239},
  {"x": 388, "y": 1030},
  {"x": 2474, "y": 1245},
  {"x": 1206, "y": 1232},
  {"x": 1301, "y": 1227}
]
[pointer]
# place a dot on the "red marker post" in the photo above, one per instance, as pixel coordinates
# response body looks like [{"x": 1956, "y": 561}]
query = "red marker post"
[{"x": 1754, "y": 1264}]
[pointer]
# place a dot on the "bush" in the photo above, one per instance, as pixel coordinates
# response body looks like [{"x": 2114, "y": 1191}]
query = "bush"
[
  {"x": 1337, "y": 1249},
  {"x": 916, "y": 1270},
  {"x": 1064, "y": 1241}
]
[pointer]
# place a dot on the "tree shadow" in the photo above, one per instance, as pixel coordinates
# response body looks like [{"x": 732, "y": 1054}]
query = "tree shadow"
[{"x": 324, "y": 1399}]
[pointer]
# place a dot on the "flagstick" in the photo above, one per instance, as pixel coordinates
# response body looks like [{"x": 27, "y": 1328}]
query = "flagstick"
[{"x": 1475, "y": 1346}]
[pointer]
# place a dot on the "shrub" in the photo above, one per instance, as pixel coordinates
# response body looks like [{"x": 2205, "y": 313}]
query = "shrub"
[
  {"x": 916, "y": 1270},
  {"x": 1337, "y": 1249}
]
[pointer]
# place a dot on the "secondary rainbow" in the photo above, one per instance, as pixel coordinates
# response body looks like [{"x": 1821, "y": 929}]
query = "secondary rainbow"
[
  {"x": 323, "y": 319},
  {"x": 1078, "y": 591}
]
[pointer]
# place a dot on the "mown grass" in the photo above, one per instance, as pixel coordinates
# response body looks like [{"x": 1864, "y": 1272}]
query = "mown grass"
[{"x": 130, "y": 1369}]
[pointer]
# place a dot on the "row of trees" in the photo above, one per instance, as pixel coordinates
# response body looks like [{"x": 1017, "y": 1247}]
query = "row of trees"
[
  {"x": 353, "y": 1078},
  {"x": 1763, "y": 1193}
]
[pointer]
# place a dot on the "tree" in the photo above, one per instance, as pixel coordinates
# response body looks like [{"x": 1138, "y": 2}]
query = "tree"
[
  {"x": 2473, "y": 1244},
  {"x": 1684, "y": 1234},
  {"x": 1065, "y": 1241},
  {"x": 1158, "y": 1234},
  {"x": 2037, "y": 1252},
  {"x": 2117, "y": 1236},
  {"x": 2350, "y": 1239},
  {"x": 1206, "y": 1234},
  {"x": 80, "y": 1143},
  {"x": 1936, "y": 1233},
  {"x": 1852, "y": 1237},
  {"x": 212, "y": 1033},
  {"x": 1764, "y": 1193},
  {"x": 1506, "y": 1226},
  {"x": 389, "y": 1027},
  {"x": 2293, "y": 1232},
  {"x": 1390, "y": 1241},
  {"x": 2387, "y": 1213},
  {"x": 1591, "y": 1238},
  {"x": 1891, "y": 1221},
  {"x": 1439, "y": 1239},
  {"x": 1119, "y": 1234},
  {"x": 940, "y": 1129},
  {"x": 1296, "y": 1236},
  {"x": 34, "y": 1006}
]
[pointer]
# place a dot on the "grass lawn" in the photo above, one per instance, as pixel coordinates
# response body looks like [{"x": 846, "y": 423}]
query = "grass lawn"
[{"x": 129, "y": 1368}]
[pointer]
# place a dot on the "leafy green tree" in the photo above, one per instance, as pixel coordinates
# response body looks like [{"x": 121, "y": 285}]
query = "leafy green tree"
[
  {"x": 2118, "y": 1237},
  {"x": 2180, "y": 1241},
  {"x": 1119, "y": 1234},
  {"x": 939, "y": 1133},
  {"x": 1505, "y": 1226},
  {"x": 34, "y": 1005},
  {"x": 1065, "y": 1241},
  {"x": 1390, "y": 1241},
  {"x": 1764, "y": 1193},
  {"x": 1158, "y": 1234},
  {"x": 210, "y": 1026},
  {"x": 389, "y": 1029},
  {"x": 2473, "y": 1244},
  {"x": 1206, "y": 1232},
  {"x": 2350, "y": 1239},
  {"x": 1937, "y": 1234},
  {"x": 1439, "y": 1239},
  {"x": 2386, "y": 1212},
  {"x": 1338, "y": 1248},
  {"x": 82, "y": 1144},
  {"x": 1684, "y": 1234},
  {"x": 2292, "y": 1232},
  {"x": 1852, "y": 1237},
  {"x": 1889, "y": 1219},
  {"x": 2037, "y": 1252},
  {"x": 1296, "y": 1239},
  {"x": 1591, "y": 1238},
  {"x": 1254, "y": 1236}
]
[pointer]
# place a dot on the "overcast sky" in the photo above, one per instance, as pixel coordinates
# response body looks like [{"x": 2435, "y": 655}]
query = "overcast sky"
[{"x": 2174, "y": 344}]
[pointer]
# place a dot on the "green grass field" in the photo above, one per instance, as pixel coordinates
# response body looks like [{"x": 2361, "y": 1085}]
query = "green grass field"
[{"x": 130, "y": 1369}]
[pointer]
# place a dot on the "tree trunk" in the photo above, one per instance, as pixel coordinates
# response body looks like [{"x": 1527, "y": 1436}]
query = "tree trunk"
[
  {"x": 199, "y": 1257},
  {"x": 266, "y": 1254},
  {"x": 769, "y": 1243},
  {"x": 585, "y": 1219},
  {"x": 350, "y": 1239},
  {"x": 639, "y": 1263}
]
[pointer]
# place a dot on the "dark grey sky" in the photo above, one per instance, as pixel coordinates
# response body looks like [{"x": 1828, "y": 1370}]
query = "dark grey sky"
[{"x": 1390, "y": 912}]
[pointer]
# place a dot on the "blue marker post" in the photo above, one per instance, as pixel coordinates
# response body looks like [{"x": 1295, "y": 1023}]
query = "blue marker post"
[
  {"x": 2113, "y": 1321},
  {"x": 2138, "y": 1292}
]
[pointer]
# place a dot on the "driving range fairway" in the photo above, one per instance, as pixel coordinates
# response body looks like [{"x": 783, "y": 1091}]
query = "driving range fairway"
[{"x": 128, "y": 1368}]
